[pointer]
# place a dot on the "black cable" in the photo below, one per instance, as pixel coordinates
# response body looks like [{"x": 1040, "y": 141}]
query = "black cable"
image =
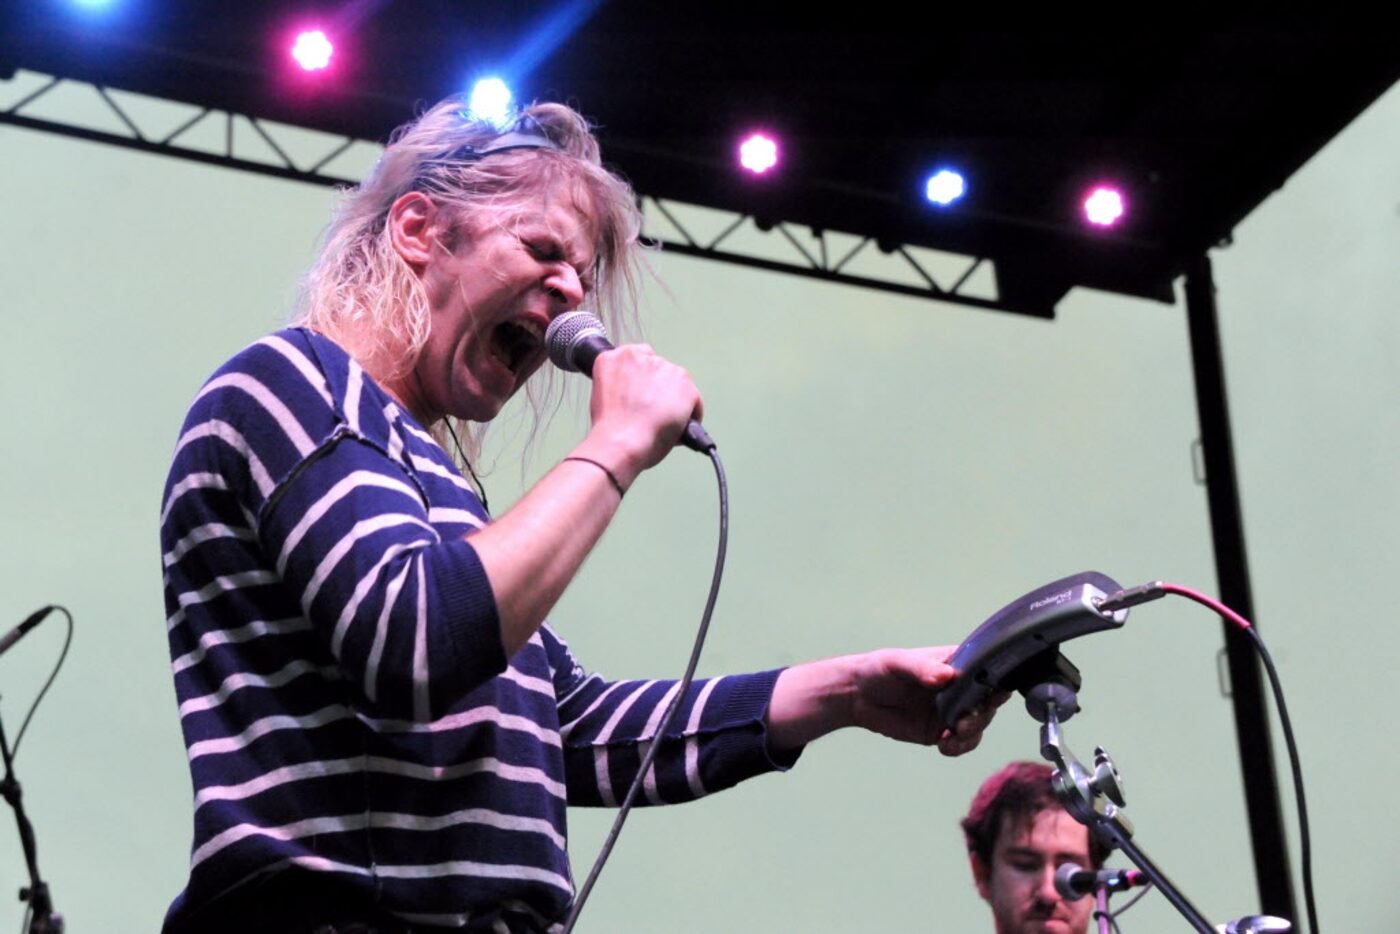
[
  {"x": 1135, "y": 595},
  {"x": 67, "y": 639},
  {"x": 675, "y": 706},
  {"x": 1113, "y": 916},
  {"x": 1133, "y": 901},
  {"x": 1304, "y": 835},
  {"x": 466, "y": 462},
  {"x": 1109, "y": 916}
]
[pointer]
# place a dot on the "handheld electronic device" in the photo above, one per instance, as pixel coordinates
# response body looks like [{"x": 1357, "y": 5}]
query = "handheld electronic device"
[{"x": 1018, "y": 646}]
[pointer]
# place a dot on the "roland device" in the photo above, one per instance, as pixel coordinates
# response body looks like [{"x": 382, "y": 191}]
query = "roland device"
[{"x": 1018, "y": 647}]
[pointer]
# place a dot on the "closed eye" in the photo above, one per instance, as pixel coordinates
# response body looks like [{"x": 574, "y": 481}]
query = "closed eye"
[
  {"x": 545, "y": 250},
  {"x": 550, "y": 251}
]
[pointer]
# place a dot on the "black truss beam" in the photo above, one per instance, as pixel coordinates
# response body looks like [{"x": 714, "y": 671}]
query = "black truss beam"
[{"x": 816, "y": 262}]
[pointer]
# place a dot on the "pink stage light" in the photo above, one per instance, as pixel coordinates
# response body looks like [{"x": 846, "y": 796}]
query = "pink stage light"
[
  {"x": 312, "y": 50},
  {"x": 758, "y": 153},
  {"x": 1104, "y": 206}
]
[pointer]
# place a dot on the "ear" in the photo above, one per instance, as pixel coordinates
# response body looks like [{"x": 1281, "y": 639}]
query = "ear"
[
  {"x": 413, "y": 228},
  {"x": 980, "y": 874}
]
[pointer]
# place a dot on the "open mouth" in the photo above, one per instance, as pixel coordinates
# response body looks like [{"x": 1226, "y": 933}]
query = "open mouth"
[{"x": 514, "y": 344}]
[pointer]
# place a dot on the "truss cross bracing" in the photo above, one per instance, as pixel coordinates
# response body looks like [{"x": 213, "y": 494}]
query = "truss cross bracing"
[{"x": 249, "y": 144}]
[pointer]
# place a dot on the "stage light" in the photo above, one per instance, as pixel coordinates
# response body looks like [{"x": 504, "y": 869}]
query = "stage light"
[
  {"x": 94, "y": 8},
  {"x": 1104, "y": 206},
  {"x": 312, "y": 50},
  {"x": 490, "y": 102},
  {"x": 758, "y": 153},
  {"x": 945, "y": 186}
]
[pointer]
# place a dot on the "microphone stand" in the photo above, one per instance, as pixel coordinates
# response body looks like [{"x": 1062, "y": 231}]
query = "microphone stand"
[
  {"x": 1095, "y": 798},
  {"x": 42, "y": 919},
  {"x": 1101, "y": 908}
]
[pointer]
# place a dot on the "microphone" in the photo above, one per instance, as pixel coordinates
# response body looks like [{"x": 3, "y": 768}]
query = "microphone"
[
  {"x": 1073, "y": 882},
  {"x": 19, "y": 632},
  {"x": 576, "y": 338},
  {"x": 1255, "y": 924}
]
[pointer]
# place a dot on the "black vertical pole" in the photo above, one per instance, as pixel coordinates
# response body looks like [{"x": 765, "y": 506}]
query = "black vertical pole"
[{"x": 1271, "y": 863}]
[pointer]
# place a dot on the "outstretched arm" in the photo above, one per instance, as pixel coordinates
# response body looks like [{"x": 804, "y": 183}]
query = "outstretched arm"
[{"x": 888, "y": 691}]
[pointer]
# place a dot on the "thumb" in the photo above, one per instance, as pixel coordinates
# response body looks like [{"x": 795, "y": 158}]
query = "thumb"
[{"x": 936, "y": 673}]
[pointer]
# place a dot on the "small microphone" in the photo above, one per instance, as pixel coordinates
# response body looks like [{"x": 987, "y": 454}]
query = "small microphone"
[
  {"x": 1256, "y": 924},
  {"x": 1073, "y": 882},
  {"x": 18, "y": 633},
  {"x": 576, "y": 338}
]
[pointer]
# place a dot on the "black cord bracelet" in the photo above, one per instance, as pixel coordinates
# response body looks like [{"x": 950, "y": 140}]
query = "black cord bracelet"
[{"x": 611, "y": 476}]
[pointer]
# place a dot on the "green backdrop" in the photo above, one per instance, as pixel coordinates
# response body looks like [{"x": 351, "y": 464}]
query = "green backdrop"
[{"x": 899, "y": 469}]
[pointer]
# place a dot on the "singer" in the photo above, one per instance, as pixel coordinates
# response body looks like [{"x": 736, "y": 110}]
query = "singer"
[
  {"x": 383, "y": 732},
  {"x": 1017, "y": 836}
]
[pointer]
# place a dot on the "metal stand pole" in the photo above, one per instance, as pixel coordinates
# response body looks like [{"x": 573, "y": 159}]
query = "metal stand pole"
[
  {"x": 1115, "y": 836},
  {"x": 1261, "y": 793},
  {"x": 42, "y": 917}
]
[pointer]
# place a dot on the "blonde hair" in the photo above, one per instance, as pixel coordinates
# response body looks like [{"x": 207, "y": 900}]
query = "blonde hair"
[{"x": 362, "y": 294}]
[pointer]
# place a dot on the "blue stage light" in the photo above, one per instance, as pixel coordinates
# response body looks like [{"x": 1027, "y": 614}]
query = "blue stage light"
[
  {"x": 945, "y": 186},
  {"x": 490, "y": 101}
]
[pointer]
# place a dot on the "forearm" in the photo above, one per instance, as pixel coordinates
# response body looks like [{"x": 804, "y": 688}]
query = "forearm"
[
  {"x": 809, "y": 701},
  {"x": 639, "y": 405},
  {"x": 888, "y": 691},
  {"x": 716, "y": 739},
  {"x": 531, "y": 553}
]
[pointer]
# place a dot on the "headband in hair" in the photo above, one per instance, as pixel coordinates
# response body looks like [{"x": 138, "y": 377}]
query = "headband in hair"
[{"x": 525, "y": 134}]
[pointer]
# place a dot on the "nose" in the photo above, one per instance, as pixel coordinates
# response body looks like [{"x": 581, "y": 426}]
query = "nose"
[
  {"x": 1046, "y": 891},
  {"x": 564, "y": 286}
]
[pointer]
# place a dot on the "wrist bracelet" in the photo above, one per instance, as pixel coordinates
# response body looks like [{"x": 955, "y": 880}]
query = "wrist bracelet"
[{"x": 611, "y": 476}]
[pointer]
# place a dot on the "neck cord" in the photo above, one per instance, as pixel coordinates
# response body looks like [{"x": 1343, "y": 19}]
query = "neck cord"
[{"x": 480, "y": 487}]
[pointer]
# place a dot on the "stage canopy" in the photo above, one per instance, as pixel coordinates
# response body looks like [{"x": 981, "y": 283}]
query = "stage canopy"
[{"x": 1193, "y": 127}]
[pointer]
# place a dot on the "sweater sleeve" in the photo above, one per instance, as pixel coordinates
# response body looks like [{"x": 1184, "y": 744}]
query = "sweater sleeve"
[
  {"x": 290, "y": 442},
  {"x": 717, "y": 739},
  {"x": 408, "y": 616}
]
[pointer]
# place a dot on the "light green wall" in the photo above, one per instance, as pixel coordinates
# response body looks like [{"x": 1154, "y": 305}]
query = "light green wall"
[{"x": 899, "y": 469}]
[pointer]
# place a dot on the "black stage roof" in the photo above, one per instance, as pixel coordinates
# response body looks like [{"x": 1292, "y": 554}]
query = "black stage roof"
[{"x": 1199, "y": 125}]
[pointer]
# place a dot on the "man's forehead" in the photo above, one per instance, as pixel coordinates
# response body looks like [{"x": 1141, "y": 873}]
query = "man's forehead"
[{"x": 1048, "y": 831}]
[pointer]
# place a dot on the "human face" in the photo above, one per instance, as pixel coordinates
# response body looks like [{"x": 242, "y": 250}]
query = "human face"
[
  {"x": 1020, "y": 883},
  {"x": 491, "y": 298}
]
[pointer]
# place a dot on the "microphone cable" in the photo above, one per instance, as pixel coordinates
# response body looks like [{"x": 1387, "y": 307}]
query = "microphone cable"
[
  {"x": 682, "y": 689},
  {"x": 63, "y": 654},
  {"x": 1133, "y": 596},
  {"x": 1113, "y": 916}
]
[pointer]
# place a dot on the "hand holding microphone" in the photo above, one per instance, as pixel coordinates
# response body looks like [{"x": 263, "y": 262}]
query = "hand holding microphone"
[{"x": 576, "y": 339}]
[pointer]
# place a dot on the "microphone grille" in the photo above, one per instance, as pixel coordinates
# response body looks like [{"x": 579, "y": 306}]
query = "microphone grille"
[
  {"x": 1064, "y": 882},
  {"x": 565, "y": 332}
]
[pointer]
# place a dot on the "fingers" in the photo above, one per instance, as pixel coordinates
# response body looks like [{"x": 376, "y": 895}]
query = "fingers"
[
  {"x": 936, "y": 673},
  {"x": 928, "y": 665},
  {"x": 967, "y": 733},
  {"x": 641, "y": 403}
]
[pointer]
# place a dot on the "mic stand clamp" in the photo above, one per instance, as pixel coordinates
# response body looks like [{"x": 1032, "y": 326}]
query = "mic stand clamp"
[
  {"x": 1095, "y": 797},
  {"x": 42, "y": 919}
]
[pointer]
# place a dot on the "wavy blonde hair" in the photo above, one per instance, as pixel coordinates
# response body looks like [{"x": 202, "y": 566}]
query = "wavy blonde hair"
[{"x": 362, "y": 294}]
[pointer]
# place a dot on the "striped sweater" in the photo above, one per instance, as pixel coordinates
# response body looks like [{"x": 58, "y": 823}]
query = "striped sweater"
[{"x": 346, "y": 703}]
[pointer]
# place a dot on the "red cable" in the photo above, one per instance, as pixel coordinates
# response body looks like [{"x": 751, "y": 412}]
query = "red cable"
[{"x": 1211, "y": 602}]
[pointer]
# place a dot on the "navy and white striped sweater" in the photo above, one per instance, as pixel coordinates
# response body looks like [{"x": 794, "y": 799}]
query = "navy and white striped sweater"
[{"x": 346, "y": 702}]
